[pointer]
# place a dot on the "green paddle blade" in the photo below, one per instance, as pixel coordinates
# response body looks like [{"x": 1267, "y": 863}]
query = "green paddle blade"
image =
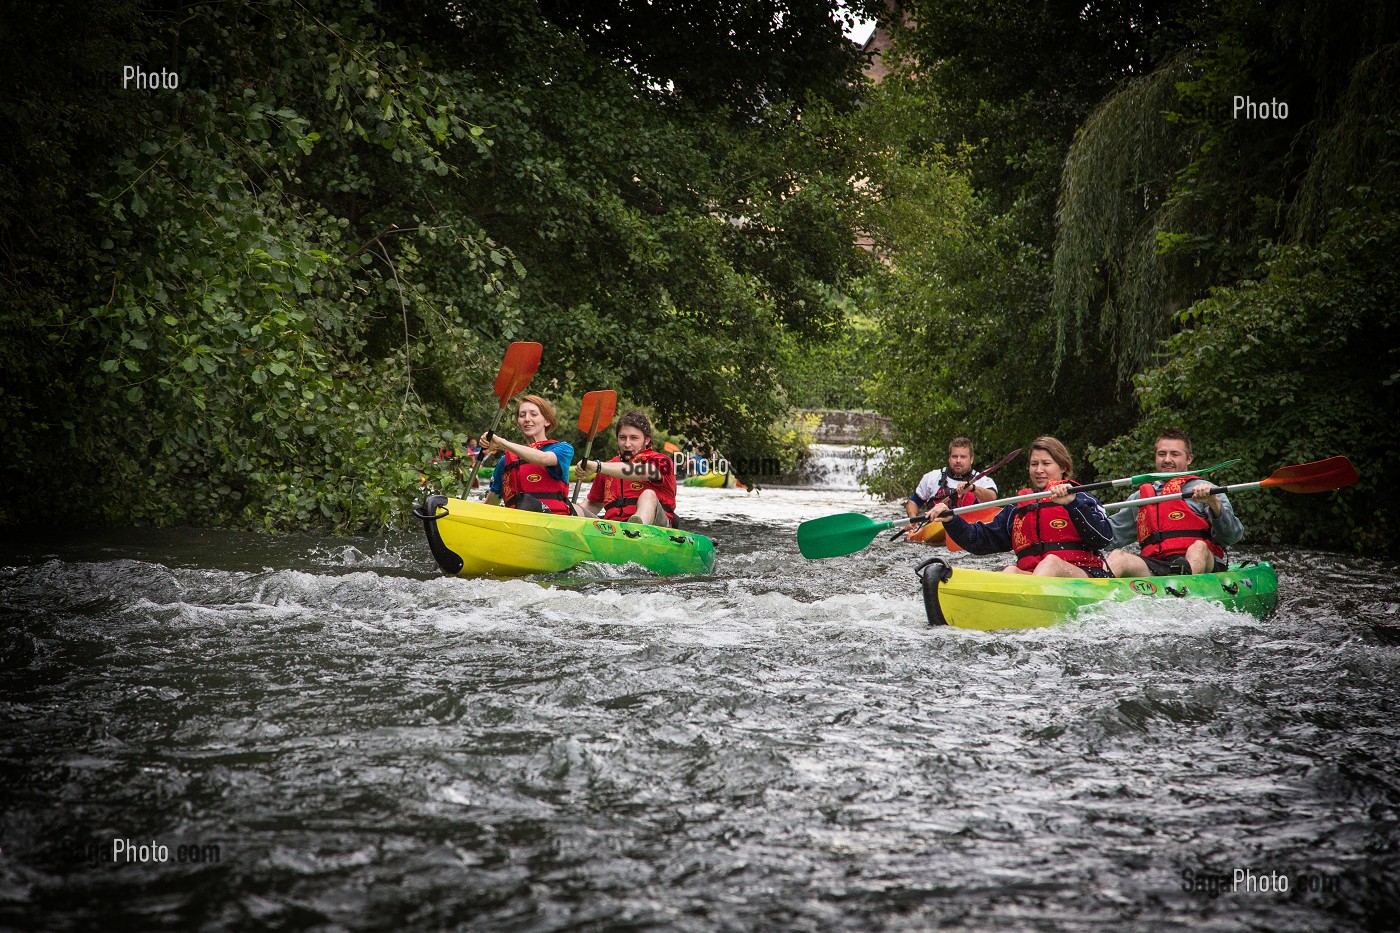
[
  {"x": 1153, "y": 477},
  {"x": 837, "y": 535}
]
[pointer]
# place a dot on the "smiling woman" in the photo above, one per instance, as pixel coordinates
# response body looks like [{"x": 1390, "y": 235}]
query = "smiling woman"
[{"x": 534, "y": 474}]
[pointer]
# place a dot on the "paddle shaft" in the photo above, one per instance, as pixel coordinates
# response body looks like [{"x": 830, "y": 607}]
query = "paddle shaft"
[
  {"x": 1318, "y": 476},
  {"x": 587, "y": 449},
  {"x": 1214, "y": 491},
  {"x": 517, "y": 369},
  {"x": 1012, "y": 500},
  {"x": 1089, "y": 487},
  {"x": 601, "y": 404},
  {"x": 481, "y": 451},
  {"x": 945, "y": 493}
]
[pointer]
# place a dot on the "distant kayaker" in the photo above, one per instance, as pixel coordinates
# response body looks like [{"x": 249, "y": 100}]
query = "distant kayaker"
[
  {"x": 1060, "y": 536},
  {"x": 1186, "y": 536},
  {"x": 538, "y": 468},
  {"x": 638, "y": 485},
  {"x": 952, "y": 482}
]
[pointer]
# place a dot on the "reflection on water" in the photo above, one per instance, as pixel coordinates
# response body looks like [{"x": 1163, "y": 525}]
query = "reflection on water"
[{"x": 332, "y": 735}]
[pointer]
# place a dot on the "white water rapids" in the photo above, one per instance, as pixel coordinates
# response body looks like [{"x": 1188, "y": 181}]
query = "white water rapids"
[{"x": 783, "y": 745}]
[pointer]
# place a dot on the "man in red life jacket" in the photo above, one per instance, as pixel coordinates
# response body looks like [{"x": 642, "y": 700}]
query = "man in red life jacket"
[
  {"x": 1185, "y": 536},
  {"x": 952, "y": 483},
  {"x": 638, "y": 485}
]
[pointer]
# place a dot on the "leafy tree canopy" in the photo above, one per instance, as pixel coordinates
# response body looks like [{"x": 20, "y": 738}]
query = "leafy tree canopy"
[{"x": 264, "y": 297}]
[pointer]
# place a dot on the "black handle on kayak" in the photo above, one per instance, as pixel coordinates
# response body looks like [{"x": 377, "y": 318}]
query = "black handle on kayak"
[{"x": 434, "y": 515}]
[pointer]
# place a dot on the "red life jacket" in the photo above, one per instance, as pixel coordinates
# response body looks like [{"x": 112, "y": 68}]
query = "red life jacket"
[
  {"x": 1166, "y": 529},
  {"x": 946, "y": 490},
  {"x": 620, "y": 495},
  {"x": 520, "y": 477},
  {"x": 1041, "y": 527}
]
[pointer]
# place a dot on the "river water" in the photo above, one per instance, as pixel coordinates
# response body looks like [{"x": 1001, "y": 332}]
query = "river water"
[{"x": 330, "y": 735}]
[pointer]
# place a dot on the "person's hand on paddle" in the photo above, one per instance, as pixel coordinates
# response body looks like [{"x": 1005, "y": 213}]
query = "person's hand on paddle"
[
  {"x": 1061, "y": 493},
  {"x": 940, "y": 512},
  {"x": 491, "y": 443},
  {"x": 1203, "y": 495},
  {"x": 584, "y": 472}
]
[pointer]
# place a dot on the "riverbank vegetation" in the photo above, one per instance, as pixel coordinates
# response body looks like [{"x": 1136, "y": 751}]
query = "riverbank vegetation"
[
  {"x": 1101, "y": 226},
  {"x": 261, "y": 298}
]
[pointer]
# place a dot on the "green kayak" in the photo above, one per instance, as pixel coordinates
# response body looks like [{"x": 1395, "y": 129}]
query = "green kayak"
[
  {"x": 987, "y": 600},
  {"x": 471, "y": 539}
]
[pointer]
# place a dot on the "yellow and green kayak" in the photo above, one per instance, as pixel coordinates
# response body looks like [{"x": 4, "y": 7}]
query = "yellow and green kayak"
[
  {"x": 988, "y": 600},
  {"x": 714, "y": 480},
  {"x": 472, "y": 539}
]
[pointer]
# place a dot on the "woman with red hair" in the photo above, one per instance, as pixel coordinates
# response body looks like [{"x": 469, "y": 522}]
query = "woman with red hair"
[{"x": 536, "y": 471}]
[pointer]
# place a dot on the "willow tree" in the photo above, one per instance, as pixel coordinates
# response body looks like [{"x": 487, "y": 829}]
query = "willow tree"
[
  {"x": 1115, "y": 269},
  {"x": 1170, "y": 188},
  {"x": 1286, "y": 229}
]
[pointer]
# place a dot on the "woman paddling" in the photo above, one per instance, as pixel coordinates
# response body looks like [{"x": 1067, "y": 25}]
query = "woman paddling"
[
  {"x": 1059, "y": 536},
  {"x": 539, "y": 468}
]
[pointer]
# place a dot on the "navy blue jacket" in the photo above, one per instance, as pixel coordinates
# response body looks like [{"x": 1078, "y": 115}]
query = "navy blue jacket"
[{"x": 994, "y": 537}]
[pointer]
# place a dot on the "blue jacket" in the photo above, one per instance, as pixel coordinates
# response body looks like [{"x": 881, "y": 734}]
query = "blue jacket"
[
  {"x": 994, "y": 537},
  {"x": 562, "y": 450}
]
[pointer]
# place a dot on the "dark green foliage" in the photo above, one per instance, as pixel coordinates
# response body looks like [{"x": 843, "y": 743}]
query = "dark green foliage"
[
  {"x": 830, "y": 370},
  {"x": 966, "y": 343},
  {"x": 1295, "y": 367},
  {"x": 731, "y": 54},
  {"x": 969, "y": 155},
  {"x": 1164, "y": 196},
  {"x": 263, "y": 298},
  {"x": 1293, "y": 358}
]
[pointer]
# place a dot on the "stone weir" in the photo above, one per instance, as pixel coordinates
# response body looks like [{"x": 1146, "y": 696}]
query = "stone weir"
[{"x": 847, "y": 427}]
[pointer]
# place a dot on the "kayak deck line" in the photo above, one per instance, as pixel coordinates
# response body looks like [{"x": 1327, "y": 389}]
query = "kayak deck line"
[
  {"x": 472, "y": 539},
  {"x": 992, "y": 600}
]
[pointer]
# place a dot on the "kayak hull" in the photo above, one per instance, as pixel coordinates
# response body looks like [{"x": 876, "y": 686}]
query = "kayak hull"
[
  {"x": 712, "y": 480},
  {"x": 471, "y": 539},
  {"x": 927, "y": 533},
  {"x": 936, "y": 532},
  {"x": 988, "y": 600}
]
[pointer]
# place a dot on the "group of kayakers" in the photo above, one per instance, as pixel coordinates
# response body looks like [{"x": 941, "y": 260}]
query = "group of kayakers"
[
  {"x": 637, "y": 485},
  {"x": 1066, "y": 533}
]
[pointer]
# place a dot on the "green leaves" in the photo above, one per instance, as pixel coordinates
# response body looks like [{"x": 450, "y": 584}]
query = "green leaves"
[
  {"x": 1248, "y": 372},
  {"x": 296, "y": 271}
]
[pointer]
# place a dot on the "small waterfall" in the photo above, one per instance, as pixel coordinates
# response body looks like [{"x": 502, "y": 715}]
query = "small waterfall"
[{"x": 835, "y": 466}]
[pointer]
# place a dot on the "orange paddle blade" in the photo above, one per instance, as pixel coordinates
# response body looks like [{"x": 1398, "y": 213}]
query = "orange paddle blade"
[
  {"x": 597, "y": 411},
  {"x": 670, "y": 448},
  {"x": 982, "y": 515},
  {"x": 1318, "y": 476},
  {"x": 517, "y": 369}
]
